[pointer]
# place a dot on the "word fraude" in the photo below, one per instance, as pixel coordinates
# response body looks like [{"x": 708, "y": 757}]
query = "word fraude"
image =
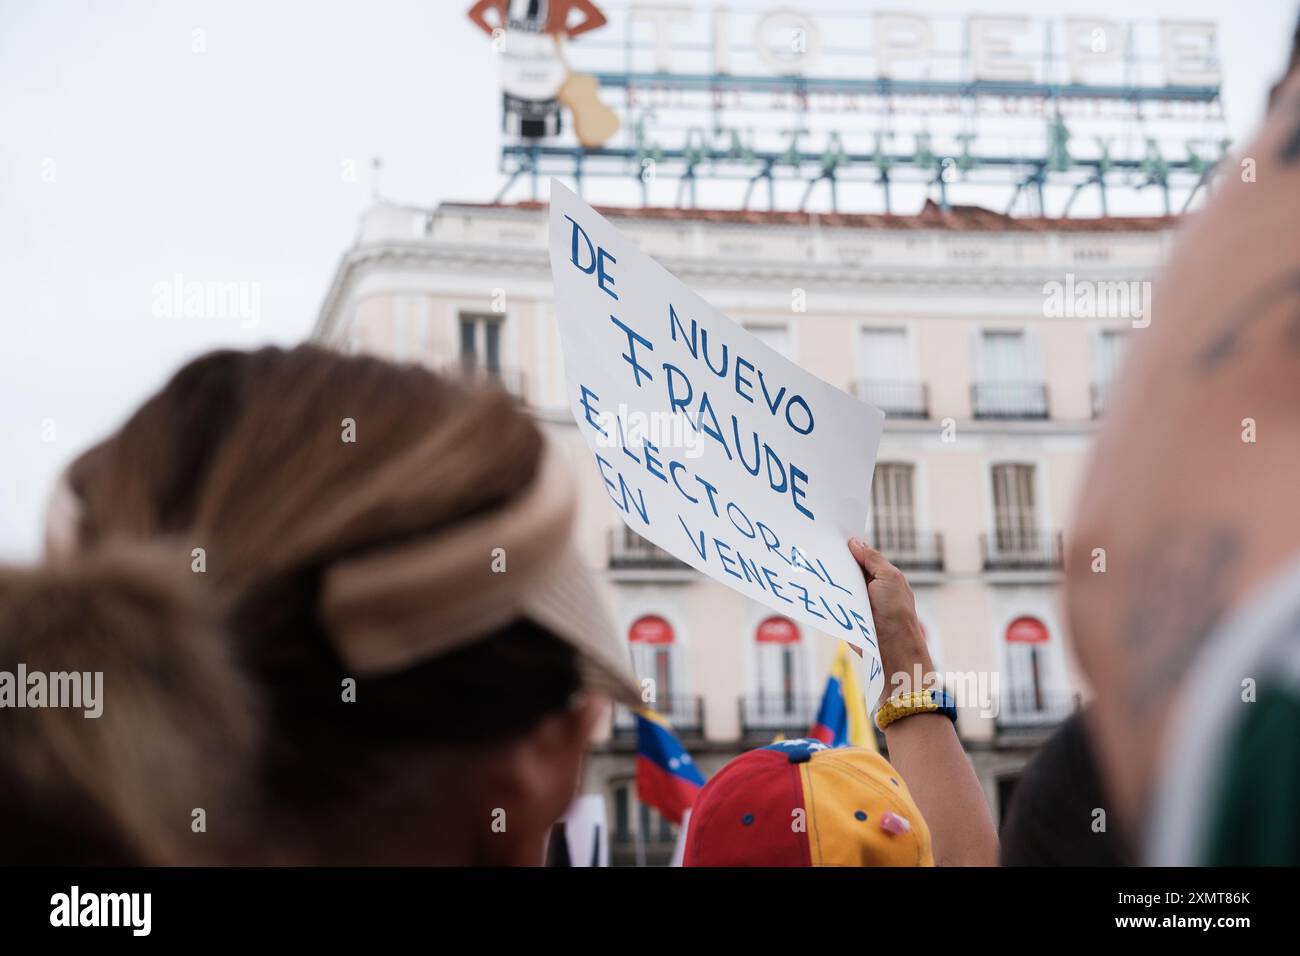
[
  {"x": 695, "y": 404},
  {"x": 82, "y": 690}
]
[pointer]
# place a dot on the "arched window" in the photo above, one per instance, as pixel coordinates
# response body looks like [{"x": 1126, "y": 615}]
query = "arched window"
[
  {"x": 1027, "y": 630},
  {"x": 650, "y": 629},
  {"x": 652, "y": 638},
  {"x": 778, "y": 630},
  {"x": 1027, "y": 638},
  {"x": 779, "y": 670}
]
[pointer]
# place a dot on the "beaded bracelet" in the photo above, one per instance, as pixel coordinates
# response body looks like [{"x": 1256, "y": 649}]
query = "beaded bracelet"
[{"x": 916, "y": 702}]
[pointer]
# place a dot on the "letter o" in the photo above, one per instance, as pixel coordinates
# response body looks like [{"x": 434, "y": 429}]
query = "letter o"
[
  {"x": 753, "y": 532},
  {"x": 808, "y": 411}
]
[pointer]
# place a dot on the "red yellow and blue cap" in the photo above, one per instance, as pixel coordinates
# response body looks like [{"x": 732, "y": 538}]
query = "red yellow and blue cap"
[{"x": 800, "y": 803}]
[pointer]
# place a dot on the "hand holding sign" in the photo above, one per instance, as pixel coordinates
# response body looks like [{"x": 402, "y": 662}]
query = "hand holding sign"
[{"x": 773, "y": 475}]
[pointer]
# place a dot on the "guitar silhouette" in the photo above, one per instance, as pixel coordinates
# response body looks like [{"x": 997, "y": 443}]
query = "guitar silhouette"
[{"x": 593, "y": 122}]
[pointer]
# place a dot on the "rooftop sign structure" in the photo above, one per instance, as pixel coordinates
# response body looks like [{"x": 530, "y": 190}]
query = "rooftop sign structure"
[{"x": 842, "y": 108}]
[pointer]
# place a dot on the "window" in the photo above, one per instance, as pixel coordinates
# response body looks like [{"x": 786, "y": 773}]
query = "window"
[
  {"x": 894, "y": 521},
  {"x": 1003, "y": 357},
  {"x": 1018, "y": 542},
  {"x": 480, "y": 343},
  {"x": 779, "y": 671},
  {"x": 656, "y": 656},
  {"x": 1110, "y": 350},
  {"x": 651, "y": 638},
  {"x": 1027, "y": 693},
  {"x": 1109, "y": 353},
  {"x": 656, "y": 828},
  {"x": 1008, "y": 385},
  {"x": 884, "y": 354},
  {"x": 1015, "y": 517},
  {"x": 640, "y": 836},
  {"x": 774, "y": 336},
  {"x": 622, "y": 813},
  {"x": 887, "y": 377},
  {"x": 893, "y": 515}
]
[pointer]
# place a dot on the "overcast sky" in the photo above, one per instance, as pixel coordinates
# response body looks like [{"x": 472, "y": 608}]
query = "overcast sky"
[{"x": 127, "y": 158}]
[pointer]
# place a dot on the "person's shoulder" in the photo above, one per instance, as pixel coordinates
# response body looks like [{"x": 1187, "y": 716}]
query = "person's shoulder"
[
  {"x": 1255, "y": 818},
  {"x": 1059, "y": 814}
]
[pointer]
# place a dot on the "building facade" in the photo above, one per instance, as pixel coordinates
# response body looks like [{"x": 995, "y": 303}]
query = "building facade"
[{"x": 950, "y": 321}]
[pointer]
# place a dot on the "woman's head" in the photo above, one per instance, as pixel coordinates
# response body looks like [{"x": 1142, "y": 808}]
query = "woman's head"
[
  {"x": 135, "y": 725},
  {"x": 386, "y": 552}
]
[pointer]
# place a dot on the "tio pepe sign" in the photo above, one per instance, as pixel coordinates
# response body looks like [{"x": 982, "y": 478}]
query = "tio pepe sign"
[{"x": 1002, "y": 48}]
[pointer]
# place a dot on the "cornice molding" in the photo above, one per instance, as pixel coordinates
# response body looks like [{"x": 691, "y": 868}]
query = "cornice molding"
[{"x": 457, "y": 260}]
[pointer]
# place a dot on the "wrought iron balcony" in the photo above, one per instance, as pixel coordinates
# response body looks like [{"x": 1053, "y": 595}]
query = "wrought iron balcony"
[
  {"x": 897, "y": 399},
  {"x": 629, "y": 551},
  {"x": 1022, "y": 551},
  {"x": 1027, "y": 712},
  {"x": 765, "y": 716},
  {"x": 1025, "y": 401},
  {"x": 684, "y": 712},
  {"x": 912, "y": 550}
]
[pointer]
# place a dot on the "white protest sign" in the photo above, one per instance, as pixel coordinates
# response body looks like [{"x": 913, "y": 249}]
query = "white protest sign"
[{"x": 711, "y": 444}]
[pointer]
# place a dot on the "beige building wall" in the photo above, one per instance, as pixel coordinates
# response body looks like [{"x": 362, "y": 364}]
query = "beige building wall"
[{"x": 403, "y": 290}]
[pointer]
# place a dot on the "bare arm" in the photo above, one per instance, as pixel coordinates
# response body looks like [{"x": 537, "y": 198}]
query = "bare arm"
[
  {"x": 478, "y": 14},
  {"x": 592, "y": 19},
  {"x": 924, "y": 747}
]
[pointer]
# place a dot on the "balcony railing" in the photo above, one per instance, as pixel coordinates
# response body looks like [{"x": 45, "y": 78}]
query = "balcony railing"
[
  {"x": 1022, "y": 551},
  {"x": 766, "y": 715},
  {"x": 511, "y": 379},
  {"x": 912, "y": 550},
  {"x": 1100, "y": 398},
  {"x": 629, "y": 551},
  {"x": 1009, "y": 400},
  {"x": 1028, "y": 711},
  {"x": 684, "y": 712},
  {"x": 623, "y": 850},
  {"x": 897, "y": 399}
]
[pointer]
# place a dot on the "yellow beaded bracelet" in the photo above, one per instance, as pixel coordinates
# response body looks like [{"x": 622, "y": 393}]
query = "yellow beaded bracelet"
[{"x": 915, "y": 702}]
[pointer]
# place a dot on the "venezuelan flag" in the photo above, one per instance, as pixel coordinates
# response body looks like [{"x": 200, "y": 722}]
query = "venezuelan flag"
[
  {"x": 842, "y": 719},
  {"x": 666, "y": 777}
]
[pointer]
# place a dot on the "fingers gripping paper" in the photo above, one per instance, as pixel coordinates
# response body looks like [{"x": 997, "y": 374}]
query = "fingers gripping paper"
[{"x": 709, "y": 443}]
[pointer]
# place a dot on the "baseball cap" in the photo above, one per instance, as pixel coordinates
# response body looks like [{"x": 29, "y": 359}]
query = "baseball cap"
[{"x": 800, "y": 803}]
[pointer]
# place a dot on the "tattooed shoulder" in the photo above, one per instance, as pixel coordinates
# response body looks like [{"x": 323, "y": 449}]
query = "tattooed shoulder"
[
  {"x": 1179, "y": 591},
  {"x": 1226, "y": 342}
]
